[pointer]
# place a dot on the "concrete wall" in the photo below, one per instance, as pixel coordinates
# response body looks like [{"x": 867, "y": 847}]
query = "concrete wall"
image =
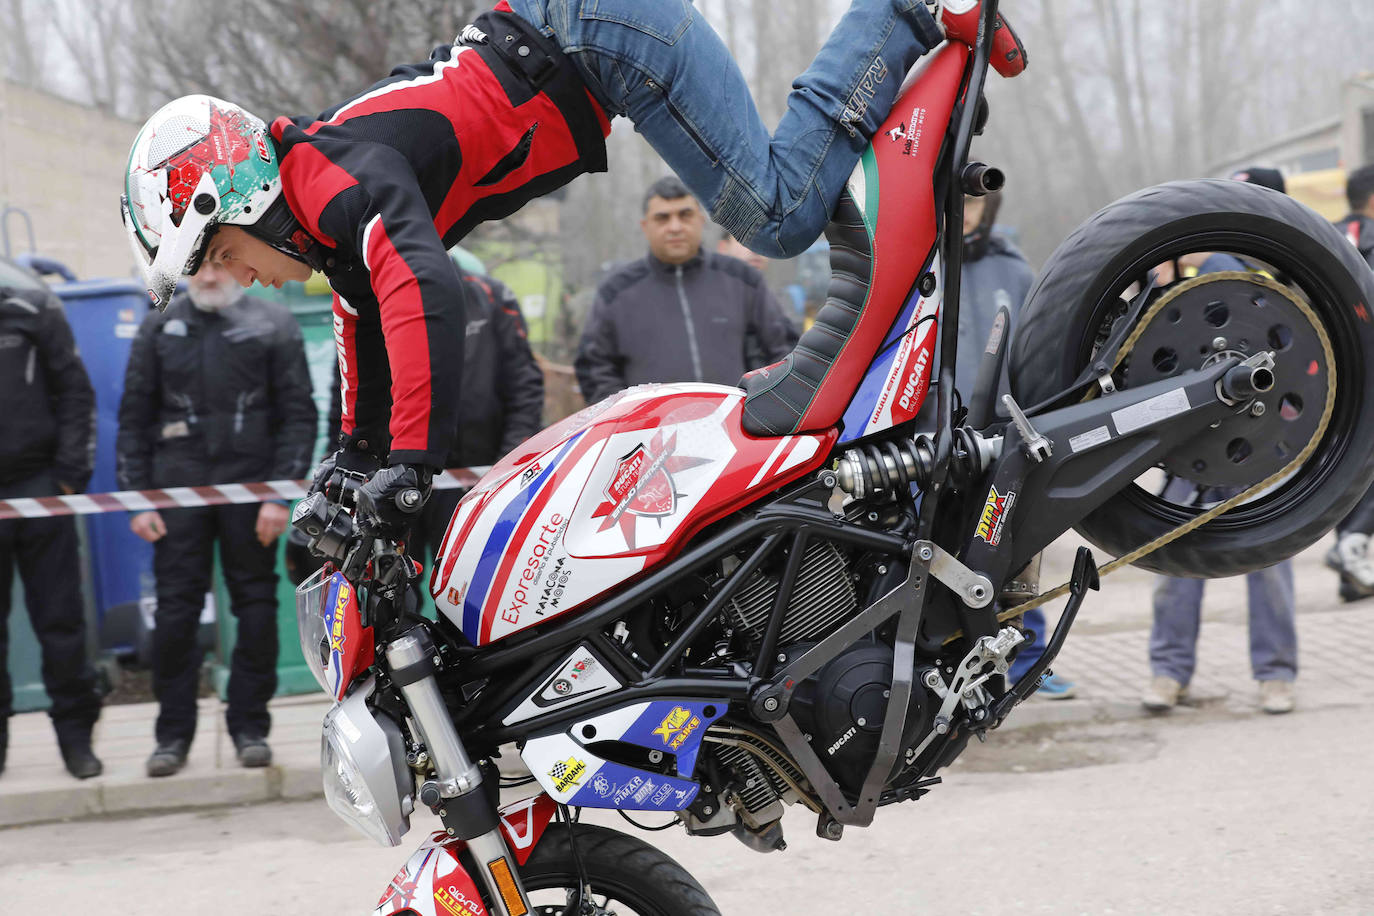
[{"x": 63, "y": 164}]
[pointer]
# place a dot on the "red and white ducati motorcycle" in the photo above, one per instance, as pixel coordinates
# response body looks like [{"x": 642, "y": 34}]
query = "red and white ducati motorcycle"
[{"x": 713, "y": 602}]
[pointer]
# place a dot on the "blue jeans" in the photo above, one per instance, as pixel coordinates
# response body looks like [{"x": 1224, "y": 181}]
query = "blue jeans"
[
  {"x": 1273, "y": 633},
  {"x": 662, "y": 65},
  {"x": 1178, "y": 613},
  {"x": 1034, "y": 620}
]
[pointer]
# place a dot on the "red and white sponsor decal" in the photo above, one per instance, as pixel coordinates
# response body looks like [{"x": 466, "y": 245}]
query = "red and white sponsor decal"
[{"x": 642, "y": 485}]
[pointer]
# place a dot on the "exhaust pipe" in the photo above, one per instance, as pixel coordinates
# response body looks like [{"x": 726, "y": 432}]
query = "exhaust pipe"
[{"x": 979, "y": 178}]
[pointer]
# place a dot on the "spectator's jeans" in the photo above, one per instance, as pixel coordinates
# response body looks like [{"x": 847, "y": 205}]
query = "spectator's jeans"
[
  {"x": 662, "y": 65},
  {"x": 1273, "y": 634},
  {"x": 1033, "y": 620},
  {"x": 1178, "y": 614}
]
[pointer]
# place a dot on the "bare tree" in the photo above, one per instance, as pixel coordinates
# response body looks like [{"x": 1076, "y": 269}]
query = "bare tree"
[{"x": 21, "y": 24}]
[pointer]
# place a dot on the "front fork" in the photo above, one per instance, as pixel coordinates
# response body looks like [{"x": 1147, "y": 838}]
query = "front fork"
[{"x": 457, "y": 794}]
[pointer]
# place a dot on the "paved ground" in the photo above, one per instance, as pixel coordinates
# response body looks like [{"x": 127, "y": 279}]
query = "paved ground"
[{"x": 1213, "y": 809}]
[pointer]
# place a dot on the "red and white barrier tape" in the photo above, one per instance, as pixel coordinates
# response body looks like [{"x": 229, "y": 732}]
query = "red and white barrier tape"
[{"x": 223, "y": 494}]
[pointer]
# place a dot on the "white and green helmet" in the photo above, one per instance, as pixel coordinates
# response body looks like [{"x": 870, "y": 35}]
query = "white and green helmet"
[{"x": 197, "y": 163}]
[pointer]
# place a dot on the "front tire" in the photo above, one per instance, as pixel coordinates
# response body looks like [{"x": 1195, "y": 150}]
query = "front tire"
[
  {"x": 624, "y": 872},
  {"x": 1079, "y": 296}
]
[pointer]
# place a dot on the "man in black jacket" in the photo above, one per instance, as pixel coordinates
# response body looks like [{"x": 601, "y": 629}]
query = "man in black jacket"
[
  {"x": 217, "y": 391},
  {"x": 501, "y": 403},
  {"x": 47, "y": 446},
  {"x": 680, "y": 314}
]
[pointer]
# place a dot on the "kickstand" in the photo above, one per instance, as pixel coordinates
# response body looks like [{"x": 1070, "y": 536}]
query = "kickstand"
[{"x": 1084, "y": 578}]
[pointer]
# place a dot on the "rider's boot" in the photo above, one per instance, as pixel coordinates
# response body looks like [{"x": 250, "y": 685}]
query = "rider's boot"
[{"x": 959, "y": 21}]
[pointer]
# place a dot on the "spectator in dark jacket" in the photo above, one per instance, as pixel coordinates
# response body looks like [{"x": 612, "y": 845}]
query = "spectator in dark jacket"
[
  {"x": 501, "y": 403},
  {"x": 217, "y": 391},
  {"x": 680, "y": 314},
  {"x": 1350, "y": 557},
  {"x": 47, "y": 446}
]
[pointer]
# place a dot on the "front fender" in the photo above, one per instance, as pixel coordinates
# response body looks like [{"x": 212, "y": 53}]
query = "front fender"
[{"x": 435, "y": 882}]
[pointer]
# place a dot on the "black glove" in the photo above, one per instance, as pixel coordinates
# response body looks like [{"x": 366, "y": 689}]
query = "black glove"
[
  {"x": 336, "y": 468},
  {"x": 395, "y": 495}
]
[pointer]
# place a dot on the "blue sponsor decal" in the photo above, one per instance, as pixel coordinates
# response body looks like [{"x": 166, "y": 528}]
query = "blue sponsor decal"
[
  {"x": 497, "y": 544},
  {"x": 675, "y": 727},
  {"x": 630, "y": 789},
  {"x": 336, "y": 603}
]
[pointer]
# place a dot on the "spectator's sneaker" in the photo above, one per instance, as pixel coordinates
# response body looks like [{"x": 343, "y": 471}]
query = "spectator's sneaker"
[
  {"x": 1055, "y": 687},
  {"x": 1349, "y": 593},
  {"x": 1163, "y": 694},
  {"x": 80, "y": 760},
  {"x": 958, "y": 19},
  {"x": 1350, "y": 558},
  {"x": 1276, "y": 697},
  {"x": 252, "y": 750},
  {"x": 167, "y": 758}
]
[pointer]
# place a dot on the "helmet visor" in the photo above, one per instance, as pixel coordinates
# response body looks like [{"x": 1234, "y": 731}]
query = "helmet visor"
[{"x": 165, "y": 261}]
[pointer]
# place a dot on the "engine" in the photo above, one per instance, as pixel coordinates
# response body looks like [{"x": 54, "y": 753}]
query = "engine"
[
  {"x": 840, "y": 708},
  {"x": 824, "y": 595}
]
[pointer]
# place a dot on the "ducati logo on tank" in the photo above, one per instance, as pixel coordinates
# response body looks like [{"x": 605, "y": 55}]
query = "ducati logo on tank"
[{"x": 642, "y": 485}]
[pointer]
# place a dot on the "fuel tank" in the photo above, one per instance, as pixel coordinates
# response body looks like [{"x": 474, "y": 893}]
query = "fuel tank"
[{"x": 601, "y": 497}]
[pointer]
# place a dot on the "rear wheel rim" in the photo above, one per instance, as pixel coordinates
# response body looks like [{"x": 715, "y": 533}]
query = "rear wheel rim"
[{"x": 1326, "y": 300}]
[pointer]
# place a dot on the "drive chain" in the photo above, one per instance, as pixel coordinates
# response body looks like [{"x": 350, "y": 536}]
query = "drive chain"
[{"x": 1306, "y": 452}]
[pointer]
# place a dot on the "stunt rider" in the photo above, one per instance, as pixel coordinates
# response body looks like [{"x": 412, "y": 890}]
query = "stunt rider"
[{"x": 375, "y": 189}]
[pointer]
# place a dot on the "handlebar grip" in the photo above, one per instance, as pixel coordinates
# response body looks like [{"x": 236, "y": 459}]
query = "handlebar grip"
[{"x": 409, "y": 500}]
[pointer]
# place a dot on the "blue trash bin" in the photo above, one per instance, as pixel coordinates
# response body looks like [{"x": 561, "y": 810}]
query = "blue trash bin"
[{"x": 105, "y": 315}]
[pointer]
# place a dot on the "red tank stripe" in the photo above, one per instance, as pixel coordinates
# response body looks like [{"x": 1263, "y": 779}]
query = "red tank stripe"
[
  {"x": 491, "y": 608},
  {"x": 451, "y": 557},
  {"x": 407, "y": 339}
]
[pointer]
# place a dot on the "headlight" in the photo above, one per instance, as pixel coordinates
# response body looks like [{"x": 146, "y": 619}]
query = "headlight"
[{"x": 362, "y": 756}]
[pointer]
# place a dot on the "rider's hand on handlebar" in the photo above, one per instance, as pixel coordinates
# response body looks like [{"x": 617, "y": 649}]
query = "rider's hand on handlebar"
[
  {"x": 332, "y": 473},
  {"x": 394, "y": 496}
]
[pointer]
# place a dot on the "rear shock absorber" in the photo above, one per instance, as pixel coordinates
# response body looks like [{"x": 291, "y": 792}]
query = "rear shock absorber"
[{"x": 877, "y": 471}]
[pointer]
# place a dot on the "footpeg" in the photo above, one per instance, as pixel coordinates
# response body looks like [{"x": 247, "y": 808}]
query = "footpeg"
[{"x": 1037, "y": 447}]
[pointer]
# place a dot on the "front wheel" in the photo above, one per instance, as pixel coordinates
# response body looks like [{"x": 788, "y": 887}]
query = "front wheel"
[
  {"x": 628, "y": 877},
  {"x": 1285, "y": 282}
]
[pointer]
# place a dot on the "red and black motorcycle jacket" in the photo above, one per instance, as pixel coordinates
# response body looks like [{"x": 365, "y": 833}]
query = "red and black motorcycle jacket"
[{"x": 390, "y": 179}]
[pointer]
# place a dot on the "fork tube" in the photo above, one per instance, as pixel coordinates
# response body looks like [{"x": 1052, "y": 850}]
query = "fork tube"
[
  {"x": 412, "y": 659},
  {"x": 466, "y": 810}
]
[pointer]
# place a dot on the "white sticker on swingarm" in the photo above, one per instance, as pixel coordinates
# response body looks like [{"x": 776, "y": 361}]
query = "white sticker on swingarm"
[
  {"x": 1090, "y": 439},
  {"x": 1148, "y": 413}
]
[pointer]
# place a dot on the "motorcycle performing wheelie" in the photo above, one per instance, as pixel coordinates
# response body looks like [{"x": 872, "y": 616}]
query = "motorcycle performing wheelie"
[{"x": 715, "y": 602}]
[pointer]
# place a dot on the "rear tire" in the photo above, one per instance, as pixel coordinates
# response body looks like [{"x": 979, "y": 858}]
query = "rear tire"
[
  {"x": 630, "y": 871},
  {"x": 1078, "y": 296}
]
